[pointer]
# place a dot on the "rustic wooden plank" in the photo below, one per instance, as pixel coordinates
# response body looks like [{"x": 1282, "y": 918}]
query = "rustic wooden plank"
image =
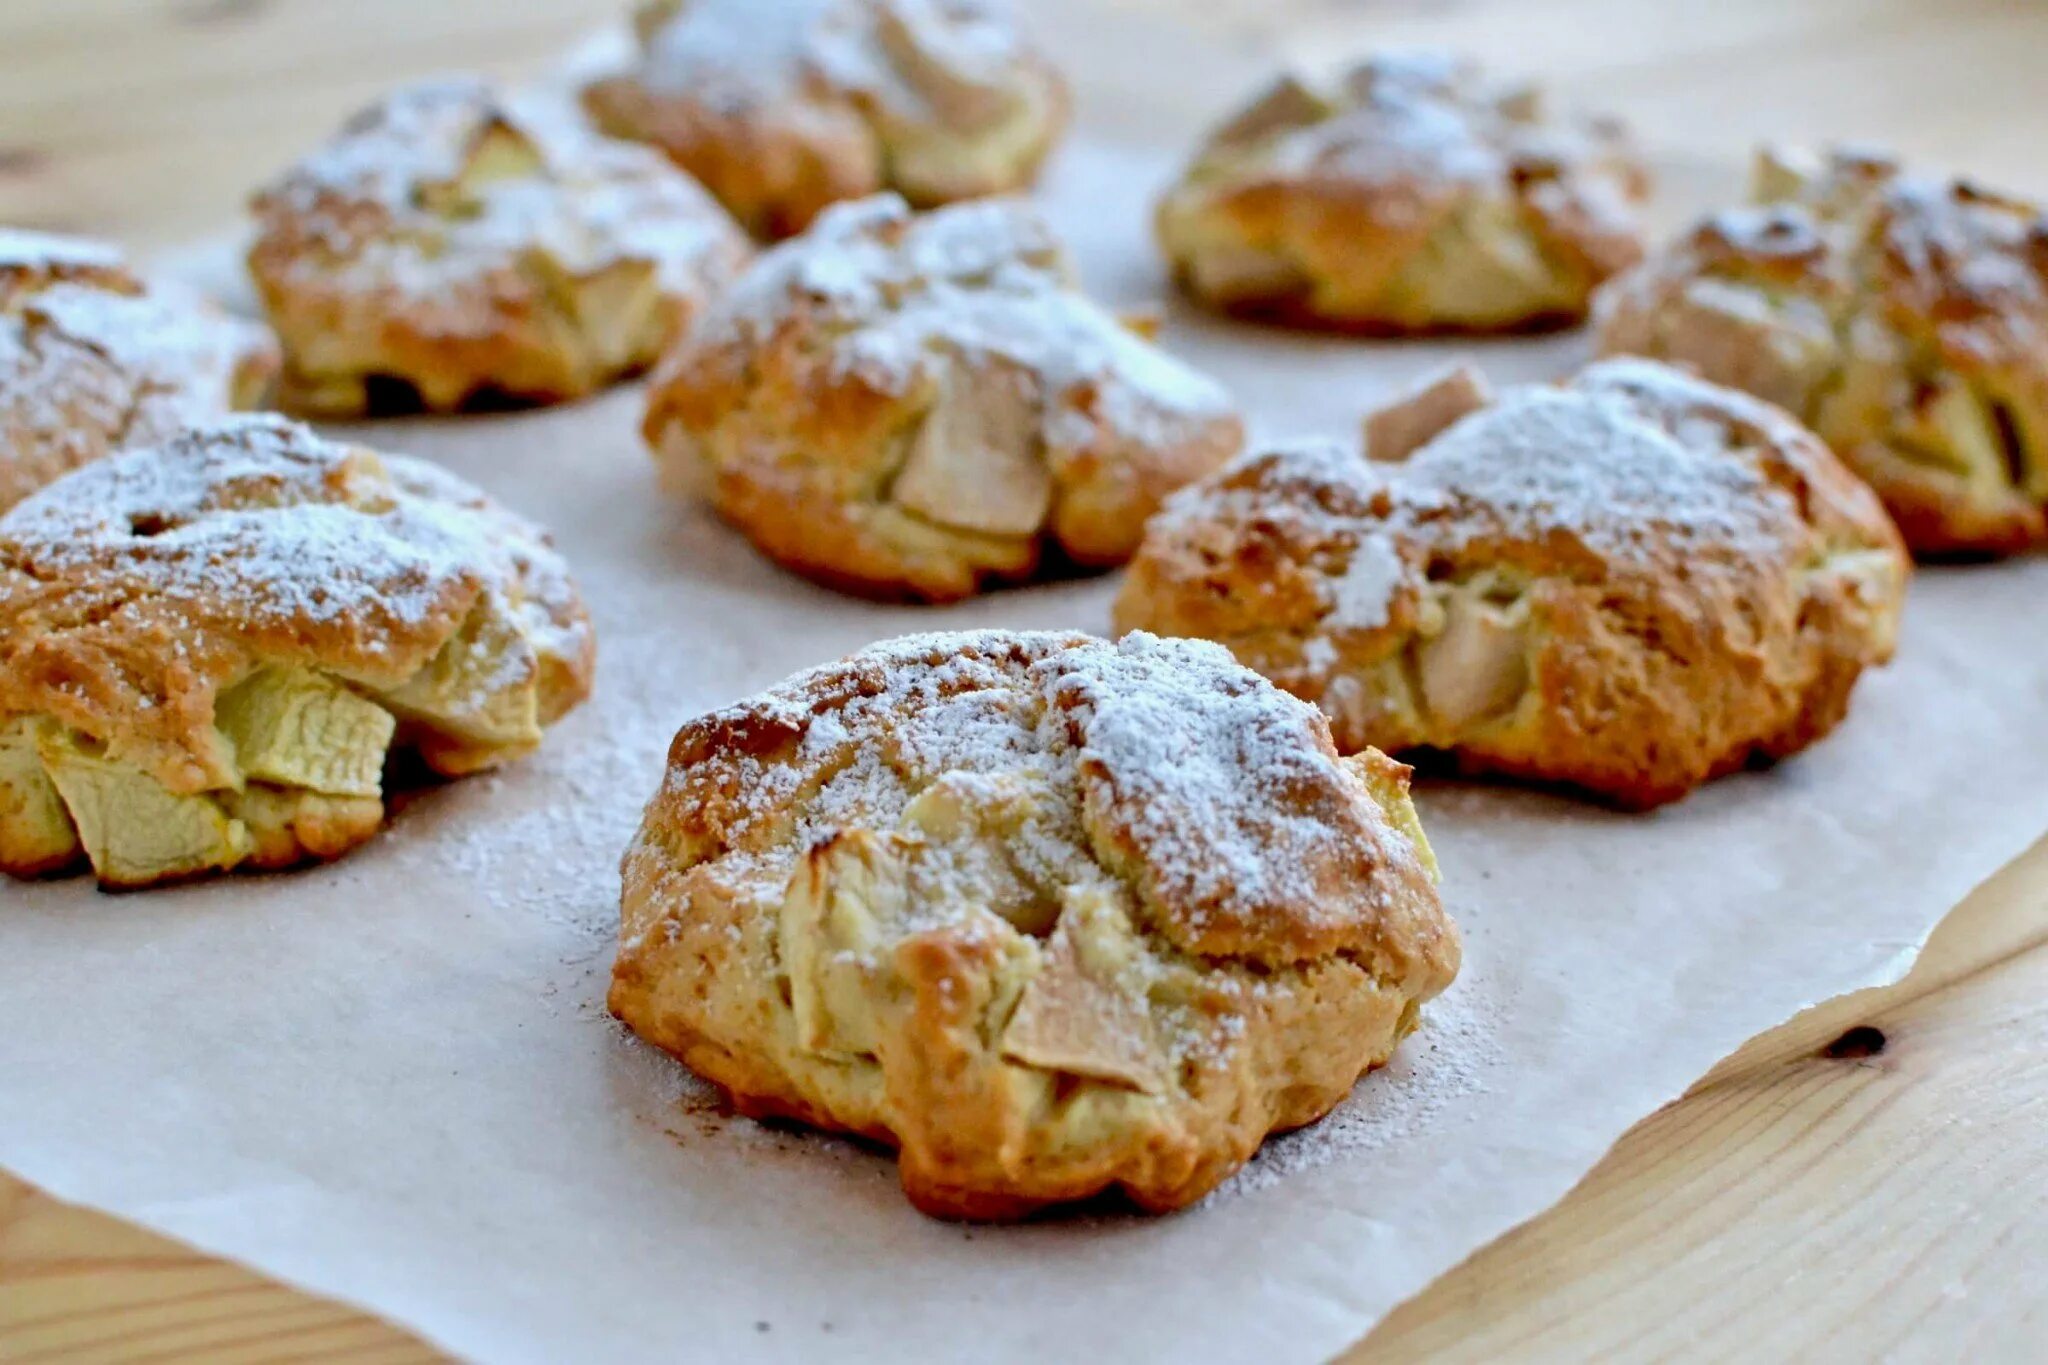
[
  {"x": 80, "y": 1288},
  {"x": 1811, "y": 1198}
]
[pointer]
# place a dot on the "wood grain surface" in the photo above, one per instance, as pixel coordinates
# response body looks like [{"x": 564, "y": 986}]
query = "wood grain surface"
[{"x": 1868, "y": 1181}]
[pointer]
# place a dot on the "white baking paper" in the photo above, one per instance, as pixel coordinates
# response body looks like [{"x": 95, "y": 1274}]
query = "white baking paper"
[{"x": 392, "y": 1080}]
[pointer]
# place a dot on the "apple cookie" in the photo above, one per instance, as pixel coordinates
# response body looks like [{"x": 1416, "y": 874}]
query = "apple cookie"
[
  {"x": 209, "y": 647},
  {"x": 93, "y": 359},
  {"x": 451, "y": 247},
  {"x": 1904, "y": 319},
  {"x": 782, "y": 107},
  {"x": 1052, "y": 916},
  {"x": 910, "y": 405},
  {"x": 1630, "y": 584},
  {"x": 1412, "y": 195}
]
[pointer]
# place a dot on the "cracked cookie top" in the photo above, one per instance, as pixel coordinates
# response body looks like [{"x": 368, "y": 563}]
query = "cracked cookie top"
[
  {"x": 92, "y": 359},
  {"x": 1904, "y": 318},
  {"x": 1214, "y": 799}
]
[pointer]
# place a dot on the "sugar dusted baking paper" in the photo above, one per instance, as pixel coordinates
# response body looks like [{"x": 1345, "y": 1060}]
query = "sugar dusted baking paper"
[{"x": 392, "y": 1079}]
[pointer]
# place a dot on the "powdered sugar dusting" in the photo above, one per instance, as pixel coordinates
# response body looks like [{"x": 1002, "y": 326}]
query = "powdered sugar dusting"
[
  {"x": 91, "y": 357},
  {"x": 371, "y": 196},
  {"x": 537, "y": 856},
  {"x": 1557, "y": 461},
  {"x": 174, "y": 344},
  {"x": 1161, "y": 762},
  {"x": 736, "y": 55},
  {"x": 1231, "y": 801},
  {"x": 1428, "y": 122},
  {"x": 1362, "y": 598},
  {"x": 1405, "y": 115},
  {"x": 1630, "y": 461},
  {"x": 22, "y": 249},
  {"x": 947, "y": 703},
  {"x": 257, "y": 520},
  {"x": 742, "y": 55},
  {"x": 1854, "y": 247},
  {"x": 903, "y": 292}
]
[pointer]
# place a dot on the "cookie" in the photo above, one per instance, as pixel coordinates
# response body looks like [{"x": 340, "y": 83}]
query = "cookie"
[
  {"x": 914, "y": 405},
  {"x": 1052, "y": 916},
  {"x": 453, "y": 247},
  {"x": 210, "y": 647},
  {"x": 1630, "y": 584},
  {"x": 93, "y": 359},
  {"x": 1412, "y": 195},
  {"x": 782, "y": 107},
  {"x": 1904, "y": 319}
]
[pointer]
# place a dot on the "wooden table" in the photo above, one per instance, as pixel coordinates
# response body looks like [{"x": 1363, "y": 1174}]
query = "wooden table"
[{"x": 1871, "y": 1178}]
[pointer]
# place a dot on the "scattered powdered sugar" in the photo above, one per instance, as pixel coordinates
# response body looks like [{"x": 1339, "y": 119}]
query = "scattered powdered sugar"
[
  {"x": 1447, "y": 1059},
  {"x": 388, "y": 196},
  {"x": 414, "y": 135},
  {"x": 864, "y": 258},
  {"x": 1397, "y": 120},
  {"x": 946, "y": 704},
  {"x": 1962, "y": 250},
  {"x": 1313, "y": 481},
  {"x": 585, "y": 791},
  {"x": 902, "y": 293},
  {"x": 538, "y": 842},
  {"x": 1632, "y": 467},
  {"x": 1765, "y": 230}
]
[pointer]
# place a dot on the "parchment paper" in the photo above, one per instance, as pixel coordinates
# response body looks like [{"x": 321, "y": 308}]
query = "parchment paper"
[{"x": 392, "y": 1079}]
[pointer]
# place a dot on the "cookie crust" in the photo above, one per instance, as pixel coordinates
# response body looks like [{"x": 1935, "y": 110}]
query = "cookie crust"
[
  {"x": 908, "y": 405},
  {"x": 1903, "y": 318},
  {"x": 1630, "y": 585},
  {"x": 1413, "y": 195},
  {"x": 1051, "y": 916},
  {"x": 209, "y": 647},
  {"x": 93, "y": 359},
  {"x": 783, "y": 107},
  {"x": 452, "y": 246}
]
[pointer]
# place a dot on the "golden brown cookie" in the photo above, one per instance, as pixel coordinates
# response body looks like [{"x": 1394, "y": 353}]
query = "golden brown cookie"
[
  {"x": 1413, "y": 194},
  {"x": 908, "y": 405},
  {"x": 1905, "y": 320},
  {"x": 1631, "y": 584},
  {"x": 452, "y": 246},
  {"x": 209, "y": 647},
  {"x": 1050, "y": 915},
  {"x": 93, "y": 359},
  {"x": 782, "y": 107}
]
